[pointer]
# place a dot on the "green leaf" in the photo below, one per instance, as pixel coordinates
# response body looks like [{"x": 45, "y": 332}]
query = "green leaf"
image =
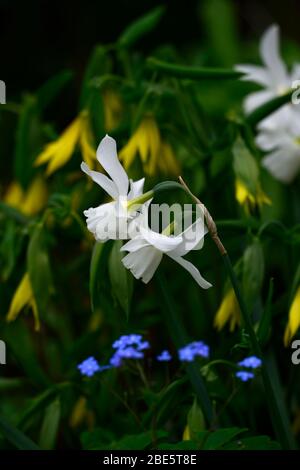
[
  {"x": 39, "y": 268},
  {"x": 140, "y": 27},
  {"x": 16, "y": 437},
  {"x": 253, "y": 271},
  {"x": 182, "y": 445},
  {"x": 98, "y": 65},
  {"x": 245, "y": 166},
  {"x": 265, "y": 323},
  {"x": 195, "y": 420},
  {"x": 98, "y": 269},
  {"x": 192, "y": 73},
  {"x": 50, "y": 425},
  {"x": 219, "y": 20},
  {"x": 48, "y": 91},
  {"x": 167, "y": 186},
  {"x": 28, "y": 140},
  {"x": 167, "y": 401},
  {"x": 219, "y": 438},
  {"x": 120, "y": 278},
  {"x": 254, "y": 443},
  {"x": 21, "y": 345}
]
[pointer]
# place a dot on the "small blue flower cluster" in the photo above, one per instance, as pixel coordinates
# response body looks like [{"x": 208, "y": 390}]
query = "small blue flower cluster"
[
  {"x": 128, "y": 347},
  {"x": 191, "y": 350},
  {"x": 251, "y": 362},
  {"x": 133, "y": 346}
]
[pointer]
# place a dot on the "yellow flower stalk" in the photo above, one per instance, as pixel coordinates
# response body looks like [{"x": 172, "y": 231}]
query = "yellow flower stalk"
[
  {"x": 56, "y": 154},
  {"x": 112, "y": 109},
  {"x": 29, "y": 202},
  {"x": 228, "y": 312},
  {"x": 247, "y": 199},
  {"x": 22, "y": 298},
  {"x": 155, "y": 153},
  {"x": 294, "y": 319}
]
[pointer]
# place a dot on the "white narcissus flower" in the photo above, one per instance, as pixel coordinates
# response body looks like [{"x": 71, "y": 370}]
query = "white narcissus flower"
[
  {"x": 146, "y": 249},
  {"x": 109, "y": 221},
  {"x": 281, "y": 138},
  {"x": 273, "y": 75}
]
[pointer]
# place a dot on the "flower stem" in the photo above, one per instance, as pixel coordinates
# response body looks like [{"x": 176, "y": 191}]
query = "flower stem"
[
  {"x": 179, "y": 336},
  {"x": 277, "y": 409}
]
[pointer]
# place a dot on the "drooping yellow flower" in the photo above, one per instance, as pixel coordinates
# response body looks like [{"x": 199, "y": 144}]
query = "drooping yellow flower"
[
  {"x": 294, "y": 319},
  {"x": 56, "y": 154},
  {"x": 22, "y": 298},
  {"x": 81, "y": 413},
  {"x": 29, "y": 202},
  {"x": 112, "y": 109},
  {"x": 249, "y": 200},
  {"x": 228, "y": 311},
  {"x": 155, "y": 153},
  {"x": 186, "y": 434}
]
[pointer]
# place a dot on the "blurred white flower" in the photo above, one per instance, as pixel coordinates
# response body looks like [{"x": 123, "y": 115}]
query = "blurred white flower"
[
  {"x": 146, "y": 248},
  {"x": 281, "y": 138},
  {"x": 109, "y": 221},
  {"x": 273, "y": 75}
]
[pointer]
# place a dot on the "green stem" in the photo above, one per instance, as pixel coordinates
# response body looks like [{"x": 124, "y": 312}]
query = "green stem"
[
  {"x": 268, "y": 108},
  {"x": 278, "y": 413},
  {"x": 193, "y": 73},
  {"x": 180, "y": 339}
]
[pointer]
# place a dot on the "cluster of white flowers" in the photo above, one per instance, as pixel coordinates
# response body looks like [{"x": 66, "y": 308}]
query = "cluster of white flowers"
[
  {"x": 126, "y": 217},
  {"x": 279, "y": 133}
]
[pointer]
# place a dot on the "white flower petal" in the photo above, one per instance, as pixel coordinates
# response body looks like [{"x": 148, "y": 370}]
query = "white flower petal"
[
  {"x": 269, "y": 49},
  {"x": 97, "y": 215},
  {"x": 254, "y": 73},
  {"x": 284, "y": 165},
  {"x": 135, "y": 244},
  {"x": 143, "y": 263},
  {"x": 136, "y": 188},
  {"x": 108, "y": 158},
  {"x": 192, "y": 238},
  {"x": 257, "y": 99},
  {"x": 192, "y": 270},
  {"x": 161, "y": 242},
  {"x": 103, "y": 181}
]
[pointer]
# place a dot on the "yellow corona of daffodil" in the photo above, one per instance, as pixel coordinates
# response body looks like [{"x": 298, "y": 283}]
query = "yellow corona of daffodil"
[
  {"x": 112, "y": 109},
  {"x": 155, "y": 153},
  {"x": 247, "y": 199},
  {"x": 29, "y": 202},
  {"x": 56, "y": 154},
  {"x": 228, "y": 311},
  {"x": 294, "y": 319},
  {"x": 22, "y": 298}
]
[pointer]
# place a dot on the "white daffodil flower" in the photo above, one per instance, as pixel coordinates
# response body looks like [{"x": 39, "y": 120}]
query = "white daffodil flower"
[
  {"x": 109, "y": 221},
  {"x": 273, "y": 75},
  {"x": 146, "y": 248},
  {"x": 282, "y": 140}
]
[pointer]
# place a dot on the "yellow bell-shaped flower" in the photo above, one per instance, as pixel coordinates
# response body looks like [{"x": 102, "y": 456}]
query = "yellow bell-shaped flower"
[
  {"x": 56, "y": 154},
  {"x": 228, "y": 311},
  {"x": 156, "y": 154},
  {"x": 22, "y": 298},
  {"x": 294, "y": 319}
]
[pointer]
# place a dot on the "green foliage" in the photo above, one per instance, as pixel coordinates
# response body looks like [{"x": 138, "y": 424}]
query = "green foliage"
[{"x": 86, "y": 299}]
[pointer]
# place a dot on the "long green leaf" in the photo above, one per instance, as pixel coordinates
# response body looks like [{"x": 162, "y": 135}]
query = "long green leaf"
[
  {"x": 50, "y": 425},
  {"x": 16, "y": 437},
  {"x": 140, "y": 27}
]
